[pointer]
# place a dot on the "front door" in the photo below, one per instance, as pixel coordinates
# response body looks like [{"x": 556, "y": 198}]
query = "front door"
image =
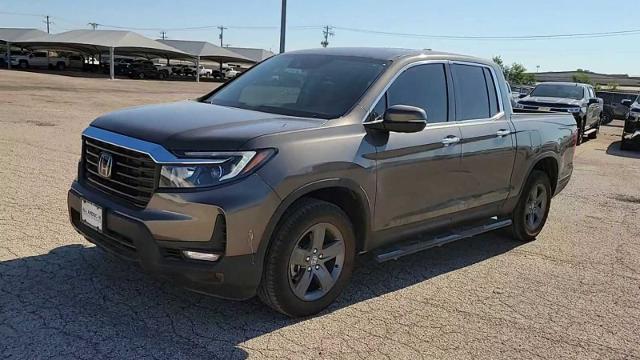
[
  {"x": 487, "y": 144},
  {"x": 418, "y": 174}
]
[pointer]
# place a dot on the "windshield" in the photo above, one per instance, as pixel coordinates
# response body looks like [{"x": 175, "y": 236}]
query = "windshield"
[
  {"x": 311, "y": 85},
  {"x": 558, "y": 91}
]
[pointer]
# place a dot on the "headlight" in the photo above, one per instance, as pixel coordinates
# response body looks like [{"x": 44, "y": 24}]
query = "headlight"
[
  {"x": 574, "y": 110},
  {"x": 216, "y": 168}
]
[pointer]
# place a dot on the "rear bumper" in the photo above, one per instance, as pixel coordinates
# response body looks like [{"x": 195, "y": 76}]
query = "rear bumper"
[{"x": 148, "y": 237}]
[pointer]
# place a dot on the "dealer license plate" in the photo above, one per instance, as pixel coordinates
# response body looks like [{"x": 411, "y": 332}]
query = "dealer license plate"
[{"x": 92, "y": 215}]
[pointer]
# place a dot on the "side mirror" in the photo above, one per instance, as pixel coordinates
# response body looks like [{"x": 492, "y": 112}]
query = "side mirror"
[
  {"x": 402, "y": 119},
  {"x": 626, "y": 102},
  {"x": 522, "y": 95},
  {"x": 594, "y": 101}
]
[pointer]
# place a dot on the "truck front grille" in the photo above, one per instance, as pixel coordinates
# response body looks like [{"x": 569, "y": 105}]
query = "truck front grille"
[
  {"x": 549, "y": 105},
  {"x": 133, "y": 175}
]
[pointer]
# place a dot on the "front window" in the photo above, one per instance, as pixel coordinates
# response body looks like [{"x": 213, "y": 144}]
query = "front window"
[
  {"x": 311, "y": 85},
  {"x": 558, "y": 91}
]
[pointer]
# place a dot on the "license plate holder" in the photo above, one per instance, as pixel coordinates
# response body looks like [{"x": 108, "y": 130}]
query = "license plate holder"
[{"x": 92, "y": 215}]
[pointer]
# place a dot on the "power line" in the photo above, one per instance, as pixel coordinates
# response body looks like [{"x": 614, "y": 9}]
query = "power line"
[{"x": 475, "y": 37}]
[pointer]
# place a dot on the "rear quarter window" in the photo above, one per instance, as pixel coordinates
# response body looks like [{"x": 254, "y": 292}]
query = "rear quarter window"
[{"x": 471, "y": 91}]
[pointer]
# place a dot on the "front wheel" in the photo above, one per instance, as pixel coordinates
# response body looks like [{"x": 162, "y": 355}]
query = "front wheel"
[
  {"x": 594, "y": 134},
  {"x": 310, "y": 260},
  {"x": 581, "y": 125},
  {"x": 532, "y": 209}
]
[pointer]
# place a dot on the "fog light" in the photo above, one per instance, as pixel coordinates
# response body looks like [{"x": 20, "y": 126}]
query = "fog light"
[{"x": 200, "y": 255}]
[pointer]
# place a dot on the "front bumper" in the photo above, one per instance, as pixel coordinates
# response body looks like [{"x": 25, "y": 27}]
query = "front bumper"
[{"x": 155, "y": 236}]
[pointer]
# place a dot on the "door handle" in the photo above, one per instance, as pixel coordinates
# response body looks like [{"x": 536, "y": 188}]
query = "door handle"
[
  {"x": 503, "y": 132},
  {"x": 449, "y": 140}
]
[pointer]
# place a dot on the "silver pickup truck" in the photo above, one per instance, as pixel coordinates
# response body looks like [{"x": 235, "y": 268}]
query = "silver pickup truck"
[{"x": 272, "y": 184}]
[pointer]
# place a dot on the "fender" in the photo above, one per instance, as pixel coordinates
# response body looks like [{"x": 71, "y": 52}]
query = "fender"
[{"x": 301, "y": 192}]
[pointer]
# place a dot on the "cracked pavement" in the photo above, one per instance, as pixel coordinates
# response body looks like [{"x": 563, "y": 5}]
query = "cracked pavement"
[{"x": 573, "y": 293}]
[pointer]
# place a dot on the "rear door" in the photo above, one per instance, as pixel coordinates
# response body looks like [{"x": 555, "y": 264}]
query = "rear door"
[
  {"x": 488, "y": 149},
  {"x": 418, "y": 175}
]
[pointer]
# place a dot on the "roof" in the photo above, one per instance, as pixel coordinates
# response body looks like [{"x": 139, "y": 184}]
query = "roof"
[
  {"x": 18, "y": 34},
  {"x": 124, "y": 42},
  {"x": 206, "y": 50},
  {"x": 565, "y": 83},
  {"x": 368, "y": 52},
  {"x": 255, "y": 54}
]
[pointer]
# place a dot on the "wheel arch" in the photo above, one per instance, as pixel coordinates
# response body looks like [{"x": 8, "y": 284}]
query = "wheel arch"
[
  {"x": 344, "y": 193},
  {"x": 549, "y": 164}
]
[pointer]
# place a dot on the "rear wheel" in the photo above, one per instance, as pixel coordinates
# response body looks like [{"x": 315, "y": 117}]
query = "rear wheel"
[
  {"x": 310, "y": 260},
  {"x": 532, "y": 209},
  {"x": 23, "y": 64},
  {"x": 61, "y": 66},
  {"x": 141, "y": 75}
]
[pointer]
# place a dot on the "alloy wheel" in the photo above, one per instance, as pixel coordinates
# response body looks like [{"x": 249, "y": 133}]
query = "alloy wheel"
[
  {"x": 316, "y": 261},
  {"x": 535, "y": 207}
]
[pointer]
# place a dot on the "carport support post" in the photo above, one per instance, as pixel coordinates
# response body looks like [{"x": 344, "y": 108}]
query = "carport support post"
[
  {"x": 112, "y": 65},
  {"x": 8, "y": 55},
  {"x": 198, "y": 69}
]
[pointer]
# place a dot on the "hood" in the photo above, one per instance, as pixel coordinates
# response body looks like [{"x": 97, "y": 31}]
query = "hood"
[
  {"x": 190, "y": 125},
  {"x": 552, "y": 100}
]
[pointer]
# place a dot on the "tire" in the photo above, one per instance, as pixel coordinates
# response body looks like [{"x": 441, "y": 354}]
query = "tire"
[
  {"x": 523, "y": 228},
  {"x": 594, "y": 135},
  {"x": 624, "y": 145},
  {"x": 580, "y": 131},
  {"x": 140, "y": 75},
  {"x": 606, "y": 118},
  {"x": 23, "y": 64},
  {"x": 298, "y": 291},
  {"x": 161, "y": 75},
  {"x": 61, "y": 66}
]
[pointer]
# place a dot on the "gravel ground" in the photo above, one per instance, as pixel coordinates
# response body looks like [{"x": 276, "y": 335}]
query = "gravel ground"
[{"x": 573, "y": 293}]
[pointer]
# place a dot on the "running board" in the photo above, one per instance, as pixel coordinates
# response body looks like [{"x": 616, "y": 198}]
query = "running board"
[
  {"x": 589, "y": 132},
  {"x": 401, "y": 250}
]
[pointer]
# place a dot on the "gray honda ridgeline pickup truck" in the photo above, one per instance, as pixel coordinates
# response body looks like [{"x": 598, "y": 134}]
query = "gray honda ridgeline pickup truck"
[{"x": 275, "y": 181}]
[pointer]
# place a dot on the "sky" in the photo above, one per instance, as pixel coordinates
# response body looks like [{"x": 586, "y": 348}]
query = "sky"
[{"x": 255, "y": 23}]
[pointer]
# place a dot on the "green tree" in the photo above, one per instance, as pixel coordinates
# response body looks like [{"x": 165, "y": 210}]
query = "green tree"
[
  {"x": 582, "y": 77},
  {"x": 516, "y": 73}
]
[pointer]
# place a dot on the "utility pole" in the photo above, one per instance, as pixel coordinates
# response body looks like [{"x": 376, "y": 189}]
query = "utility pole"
[
  {"x": 221, "y": 36},
  {"x": 48, "y": 22},
  {"x": 537, "y": 68},
  {"x": 326, "y": 33},
  {"x": 164, "y": 35},
  {"x": 94, "y": 25},
  {"x": 283, "y": 25}
]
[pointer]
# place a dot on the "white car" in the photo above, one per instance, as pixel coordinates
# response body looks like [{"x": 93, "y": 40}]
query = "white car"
[
  {"x": 39, "y": 59},
  {"x": 203, "y": 71},
  {"x": 231, "y": 73}
]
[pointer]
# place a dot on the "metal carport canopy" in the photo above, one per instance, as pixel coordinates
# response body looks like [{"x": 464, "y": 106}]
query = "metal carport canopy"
[
  {"x": 124, "y": 42},
  {"x": 10, "y": 36},
  {"x": 207, "y": 51}
]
